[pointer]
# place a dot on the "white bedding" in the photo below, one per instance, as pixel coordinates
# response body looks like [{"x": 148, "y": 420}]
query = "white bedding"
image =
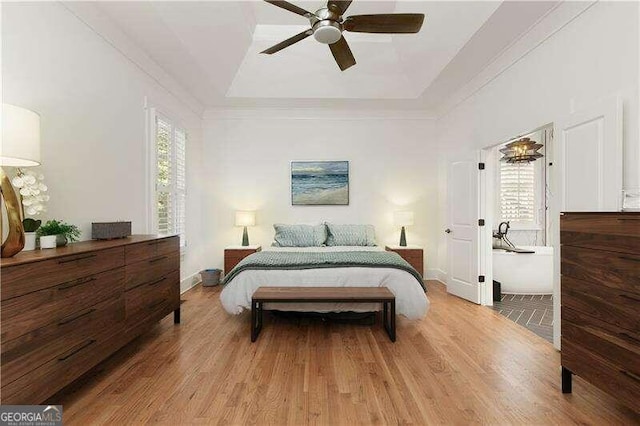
[{"x": 411, "y": 301}]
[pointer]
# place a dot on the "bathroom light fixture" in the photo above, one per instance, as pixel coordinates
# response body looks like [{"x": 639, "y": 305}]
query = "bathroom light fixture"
[{"x": 523, "y": 150}]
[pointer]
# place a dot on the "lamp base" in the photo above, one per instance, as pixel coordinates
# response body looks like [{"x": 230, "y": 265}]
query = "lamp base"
[
  {"x": 403, "y": 238},
  {"x": 15, "y": 239},
  {"x": 245, "y": 237}
]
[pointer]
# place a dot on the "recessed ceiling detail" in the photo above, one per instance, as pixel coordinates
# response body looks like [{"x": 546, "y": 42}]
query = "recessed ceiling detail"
[{"x": 212, "y": 49}]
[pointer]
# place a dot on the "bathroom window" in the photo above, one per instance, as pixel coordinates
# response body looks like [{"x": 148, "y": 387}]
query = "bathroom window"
[{"x": 520, "y": 195}]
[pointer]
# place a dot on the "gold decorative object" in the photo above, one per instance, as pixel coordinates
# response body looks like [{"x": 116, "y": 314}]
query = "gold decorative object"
[
  {"x": 521, "y": 151},
  {"x": 20, "y": 148}
]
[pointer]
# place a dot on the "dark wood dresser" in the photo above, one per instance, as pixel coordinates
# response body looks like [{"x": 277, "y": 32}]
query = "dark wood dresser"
[
  {"x": 600, "y": 298},
  {"x": 64, "y": 310}
]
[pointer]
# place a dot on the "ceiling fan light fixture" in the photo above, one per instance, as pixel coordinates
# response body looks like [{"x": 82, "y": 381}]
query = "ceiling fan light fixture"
[{"x": 327, "y": 32}]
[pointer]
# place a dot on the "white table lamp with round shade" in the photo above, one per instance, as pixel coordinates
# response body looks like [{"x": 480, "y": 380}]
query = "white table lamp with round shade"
[
  {"x": 245, "y": 218},
  {"x": 20, "y": 148},
  {"x": 403, "y": 218}
]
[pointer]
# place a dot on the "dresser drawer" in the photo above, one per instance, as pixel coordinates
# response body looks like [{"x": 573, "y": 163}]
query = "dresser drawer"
[
  {"x": 44, "y": 381},
  {"x": 151, "y": 249},
  {"x": 612, "y": 232},
  {"x": 23, "y": 314},
  {"x": 611, "y": 269},
  {"x": 617, "y": 345},
  {"x": 26, "y": 278},
  {"x": 31, "y": 350},
  {"x": 147, "y": 271},
  {"x": 146, "y": 301},
  {"x": 621, "y": 381},
  {"x": 612, "y": 306}
]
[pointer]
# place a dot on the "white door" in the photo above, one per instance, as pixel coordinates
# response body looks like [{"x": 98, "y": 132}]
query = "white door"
[
  {"x": 588, "y": 150},
  {"x": 463, "y": 234}
]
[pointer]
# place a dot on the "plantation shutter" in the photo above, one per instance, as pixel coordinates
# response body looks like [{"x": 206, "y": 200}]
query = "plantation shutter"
[
  {"x": 517, "y": 192},
  {"x": 170, "y": 179}
]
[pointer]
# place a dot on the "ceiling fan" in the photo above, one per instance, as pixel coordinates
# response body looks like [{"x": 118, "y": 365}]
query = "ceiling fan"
[{"x": 327, "y": 25}]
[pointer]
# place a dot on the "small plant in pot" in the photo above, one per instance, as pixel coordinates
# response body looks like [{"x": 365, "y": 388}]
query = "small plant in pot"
[
  {"x": 30, "y": 227},
  {"x": 56, "y": 233}
]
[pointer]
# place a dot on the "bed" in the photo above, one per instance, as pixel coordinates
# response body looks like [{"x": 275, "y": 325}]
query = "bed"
[{"x": 335, "y": 266}]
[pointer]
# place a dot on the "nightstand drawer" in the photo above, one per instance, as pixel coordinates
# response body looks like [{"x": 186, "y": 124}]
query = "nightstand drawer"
[{"x": 233, "y": 256}]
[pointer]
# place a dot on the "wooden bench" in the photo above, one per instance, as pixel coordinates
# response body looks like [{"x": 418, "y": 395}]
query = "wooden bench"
[{"x": 324, "y": 295}]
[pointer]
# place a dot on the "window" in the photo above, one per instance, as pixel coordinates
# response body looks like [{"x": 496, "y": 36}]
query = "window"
[
  {"x": 170, "y": 178},
  {"x": 517, "y": 198}
]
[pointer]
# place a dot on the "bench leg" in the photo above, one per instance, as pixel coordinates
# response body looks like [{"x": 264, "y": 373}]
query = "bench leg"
[
  {"x": 256, "y": 319},
  {"x": 176, "y": 316},
  {"x": 389, "y": 319},
  {"x": 566, "y": 380}
]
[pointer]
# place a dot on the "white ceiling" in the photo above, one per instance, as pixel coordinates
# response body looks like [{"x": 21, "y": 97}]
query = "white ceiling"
[{"x": 212, "y": 50}]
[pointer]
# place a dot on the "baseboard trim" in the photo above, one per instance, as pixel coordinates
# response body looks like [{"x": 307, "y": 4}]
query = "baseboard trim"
[
  {"x": 190, "y": 282},
  {"x": 436, "y": 274}
]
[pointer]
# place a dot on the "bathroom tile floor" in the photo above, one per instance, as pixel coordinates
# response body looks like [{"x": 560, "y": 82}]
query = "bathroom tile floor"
[{"x": 532, "y": 311}]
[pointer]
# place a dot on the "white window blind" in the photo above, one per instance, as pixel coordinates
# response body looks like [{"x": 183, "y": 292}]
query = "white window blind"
[
  {"x": 170, "y": 178},
  {"x": 517, "y": 202}
]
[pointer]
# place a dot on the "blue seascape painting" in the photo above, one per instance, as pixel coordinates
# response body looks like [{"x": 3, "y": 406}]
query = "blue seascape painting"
[{"x": 319, "y": 183}]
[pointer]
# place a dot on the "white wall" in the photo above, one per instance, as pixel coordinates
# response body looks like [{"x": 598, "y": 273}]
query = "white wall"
[
  {"x": 593, "y": 57},
  {"x": 91, "y": 99},
  {"x": 392, "y": 167}
]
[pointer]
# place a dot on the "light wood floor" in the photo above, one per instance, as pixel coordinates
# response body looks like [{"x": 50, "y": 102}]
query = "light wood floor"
[{"x": 461, "y": 364}]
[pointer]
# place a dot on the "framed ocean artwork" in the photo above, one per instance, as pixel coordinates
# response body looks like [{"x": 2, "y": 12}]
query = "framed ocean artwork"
[{"x": 320, "y": 183}]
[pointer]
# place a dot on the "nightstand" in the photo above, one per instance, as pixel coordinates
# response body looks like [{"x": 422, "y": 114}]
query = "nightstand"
[
  {"x": 413, "y": 255},
  {"x": 234, "y": 254}
]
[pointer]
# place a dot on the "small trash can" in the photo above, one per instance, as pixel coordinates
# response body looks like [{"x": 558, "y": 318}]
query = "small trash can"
[{"x": 210, "y": 277}]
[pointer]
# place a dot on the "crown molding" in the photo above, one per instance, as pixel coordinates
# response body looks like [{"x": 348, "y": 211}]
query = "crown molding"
[
  {"x": 553, "y": 22},
  {"x": 91, "y": 16}
]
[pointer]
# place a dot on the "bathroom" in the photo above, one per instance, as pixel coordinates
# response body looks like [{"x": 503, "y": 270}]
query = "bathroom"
[{"x": 522, "y": 260}]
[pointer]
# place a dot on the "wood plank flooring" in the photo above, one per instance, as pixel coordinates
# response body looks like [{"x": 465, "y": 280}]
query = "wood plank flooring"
[{"x": 461, "y": 364}]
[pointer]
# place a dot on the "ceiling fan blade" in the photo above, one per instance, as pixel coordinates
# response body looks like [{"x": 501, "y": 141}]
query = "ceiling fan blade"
[
  {"x": 339, "y": 6},
  {"x": 288, "y": 42},
  {"x": 391, "y": 23},
  {"x": 342, "y": 54},
  {"x": 290, "y": 7}
]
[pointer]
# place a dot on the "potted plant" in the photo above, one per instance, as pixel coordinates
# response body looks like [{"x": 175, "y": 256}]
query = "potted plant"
[
  {"x": 56, "y": 233},
  {"x": 30, "y": 227}
]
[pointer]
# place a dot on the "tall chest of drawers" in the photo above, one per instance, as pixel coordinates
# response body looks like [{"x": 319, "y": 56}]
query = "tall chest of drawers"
[
  {"x": 64, "y": 310},
  {"x": 600, "y": 298}
]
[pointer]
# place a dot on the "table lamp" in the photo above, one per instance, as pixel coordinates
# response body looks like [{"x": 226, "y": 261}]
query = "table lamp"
[
  {"x": 245, "y": 218},
  {"x": 403, "y": 218},
  {"x": 20, "y": 148}
]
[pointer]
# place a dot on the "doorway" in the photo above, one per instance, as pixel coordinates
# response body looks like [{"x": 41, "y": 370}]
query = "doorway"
[{"x": 518, "y": 259}]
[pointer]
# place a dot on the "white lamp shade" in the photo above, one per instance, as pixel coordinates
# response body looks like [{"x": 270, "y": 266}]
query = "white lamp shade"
[
  {"x": 20, "y": 137},
  {"x": 245, "y": 218},
  {"x": 403, "y": 218}
]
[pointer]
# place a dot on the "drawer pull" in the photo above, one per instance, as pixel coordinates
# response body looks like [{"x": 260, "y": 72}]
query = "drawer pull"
[
  {"x": 75, "y": 259},
  {"x": 67, "y": 321},
  {"x": 75, "y": 283},
  {"x": 630, "y": 337},
  {"x": 629, "y": 258},
  {"x": 152, "y": 243},
  {"x": 157, "y": 259},
  {"x": 157, "y": 281},
  {"x": 156, "y": 304},
  {"x": 86, "y": 345},
  {"x": 631, "y": 375},
  {"x": 626, "y": 296}
]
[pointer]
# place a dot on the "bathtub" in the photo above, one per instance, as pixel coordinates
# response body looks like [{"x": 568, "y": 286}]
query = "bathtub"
[{"x": 520, "y": 273}]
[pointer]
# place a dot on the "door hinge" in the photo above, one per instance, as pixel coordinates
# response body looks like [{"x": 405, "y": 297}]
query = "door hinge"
[
  {"x": 481, "y": 278},
  {"x": 480, "y": 166},
  {"x": 480, "y": 222}
]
